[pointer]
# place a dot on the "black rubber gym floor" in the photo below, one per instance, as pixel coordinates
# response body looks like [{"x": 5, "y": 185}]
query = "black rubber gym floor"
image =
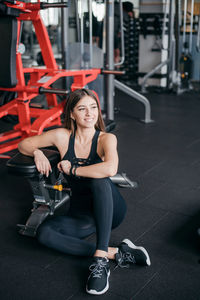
[{"x": 163, "y": 214}]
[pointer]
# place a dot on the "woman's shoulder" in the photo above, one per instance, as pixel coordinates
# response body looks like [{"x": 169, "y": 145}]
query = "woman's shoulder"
[
  {"x": 62, "y": 132},
  {"x": 60, "y": 135},
  {"x": 105, "y": 137}
]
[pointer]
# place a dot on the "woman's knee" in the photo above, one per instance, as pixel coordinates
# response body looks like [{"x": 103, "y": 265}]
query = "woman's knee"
[
  {"x": 44, "y": 233},
  {"x": 100, "y": 184},
  {"x": 118, "y": 217}
]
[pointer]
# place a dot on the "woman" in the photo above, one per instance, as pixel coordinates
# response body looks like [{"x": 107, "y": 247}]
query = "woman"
[{"x": 88, "y": 158}]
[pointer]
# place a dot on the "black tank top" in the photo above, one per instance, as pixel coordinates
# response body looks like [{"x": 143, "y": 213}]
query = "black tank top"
[
  {"x": 81, "y": 195},
  {"x": 93, "y": 157}
]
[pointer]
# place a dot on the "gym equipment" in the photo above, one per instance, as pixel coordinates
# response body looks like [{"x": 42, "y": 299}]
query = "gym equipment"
[
  {"x": 49, "y": 193},
  {"x": 156, "y": 26},
  {"x": 139, "y": 97},
  {"x": 186, "y": 61},
  {"x": 33, "y": 121},
  {"x": 180, "y": 52},
  {"x": 112, "y": 83},
  {"x": 131, "y": 41},
  {"x": 198, "y": 36},
  {"x": 181, "y": 72},
  {"x": 28, "y": 83},
  {"x": 186, "y": 67}
]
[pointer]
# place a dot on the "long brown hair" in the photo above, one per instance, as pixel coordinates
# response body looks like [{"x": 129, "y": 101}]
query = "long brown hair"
[{"x": 72, "y": 101}]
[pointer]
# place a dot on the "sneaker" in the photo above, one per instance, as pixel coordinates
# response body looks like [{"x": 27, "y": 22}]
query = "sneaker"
[
  {"x": 131, "y": 254},
  {"x": 97, "y": 283}
]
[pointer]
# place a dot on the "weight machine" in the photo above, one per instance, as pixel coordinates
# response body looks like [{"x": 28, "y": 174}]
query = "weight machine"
[
  {"x": 31, "y": 120},
  {"x": 185, "y": 66},
  {"x": 180, "y": 50},
  {"x": 111, "y": 82},
  {"x": 167, "y": 52}
]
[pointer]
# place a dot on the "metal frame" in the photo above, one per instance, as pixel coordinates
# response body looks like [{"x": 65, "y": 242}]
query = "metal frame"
[
  {"x": 171, "y": 44},
  {"x": 40, "y": 82},
  {"x": 191, "y": 26},
  {"x": 169, "y": 61},
  {"x": 151, "y": 73},
  {"x": 112, "y": 83},
  {"x": 42, "y": 78},
  {"x": 110, "y": 59},
  {"x": 136, "y": 96}
]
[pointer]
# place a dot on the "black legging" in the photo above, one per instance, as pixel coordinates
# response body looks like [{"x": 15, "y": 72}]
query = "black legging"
[{"x": 96, "y": 206}]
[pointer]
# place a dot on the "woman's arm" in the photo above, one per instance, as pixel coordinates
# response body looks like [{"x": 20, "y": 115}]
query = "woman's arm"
[
  {"x": 109, "y": 166},
  {"x": 30, "y": 146},
  {"x": 106, "y": 168}
]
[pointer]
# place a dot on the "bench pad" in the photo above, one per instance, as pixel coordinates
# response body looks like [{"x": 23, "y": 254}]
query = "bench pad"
[{"x": 23, "y": 165}]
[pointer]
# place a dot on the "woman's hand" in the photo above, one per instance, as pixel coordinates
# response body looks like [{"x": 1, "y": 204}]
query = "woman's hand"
[
  {"x": 64, "y": 166},
  {"x": 42, "y": 162}
]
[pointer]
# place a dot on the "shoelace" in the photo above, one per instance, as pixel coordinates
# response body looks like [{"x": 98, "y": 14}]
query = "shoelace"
[
  {"x": 125, "y": 259},
  {"x": 97, "y": 268}
]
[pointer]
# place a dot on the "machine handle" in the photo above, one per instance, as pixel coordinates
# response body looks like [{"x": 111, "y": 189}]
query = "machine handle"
[
  {"x": 115, "y": 72},
  {"x": 53, "y": 91},
  {"x": 123, "y": 181},
  {"x": 44, "y": 5}
]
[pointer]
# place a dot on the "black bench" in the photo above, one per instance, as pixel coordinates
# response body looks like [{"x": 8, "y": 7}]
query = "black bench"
[{"x": 49, "y": 193}]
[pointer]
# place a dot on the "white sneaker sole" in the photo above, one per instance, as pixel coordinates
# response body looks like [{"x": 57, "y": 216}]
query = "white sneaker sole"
[
  {"x": 131, "y": 245},
  {"x": 94, "y": 292}
]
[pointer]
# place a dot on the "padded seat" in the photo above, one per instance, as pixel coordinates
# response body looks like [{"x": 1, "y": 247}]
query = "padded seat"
[
  {"x": 23, "y": 165},
  {"x": 47, "y": 198}
]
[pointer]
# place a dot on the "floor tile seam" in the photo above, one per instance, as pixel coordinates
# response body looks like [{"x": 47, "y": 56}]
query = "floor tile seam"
[
  {"x": 181, "y": 213},
  {"x": 71, "y": 296},
  {"x": 80, "y": 290},
  {"x": 152, "y": 277},
  {"x": 46, "y": 267},
  {"x": 147, "y": 172},
  {"x": 152, "y": 226},
  {"x": 145, "y": 285},
  {"x": 166, "y": 178},
  {"x": 41, "y": 268},
  {"x": 153, "y": 192},
  {"x": 196, "y": 141},
  {"x": 166, "y": 182},
  {"x": 119, "y": 295},
  {"x": 158, "y": 189},
  {"x": 196, "y": 162},
  {"x": 168, "y": 210},
  {"x": 152, "y": 168}
]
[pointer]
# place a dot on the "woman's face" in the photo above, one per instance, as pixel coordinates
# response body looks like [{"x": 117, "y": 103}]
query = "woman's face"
[{"x": 86, "y": 112}]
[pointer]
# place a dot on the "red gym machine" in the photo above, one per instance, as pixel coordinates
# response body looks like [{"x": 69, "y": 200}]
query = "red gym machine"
[{"x": 31, "y": 120}]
